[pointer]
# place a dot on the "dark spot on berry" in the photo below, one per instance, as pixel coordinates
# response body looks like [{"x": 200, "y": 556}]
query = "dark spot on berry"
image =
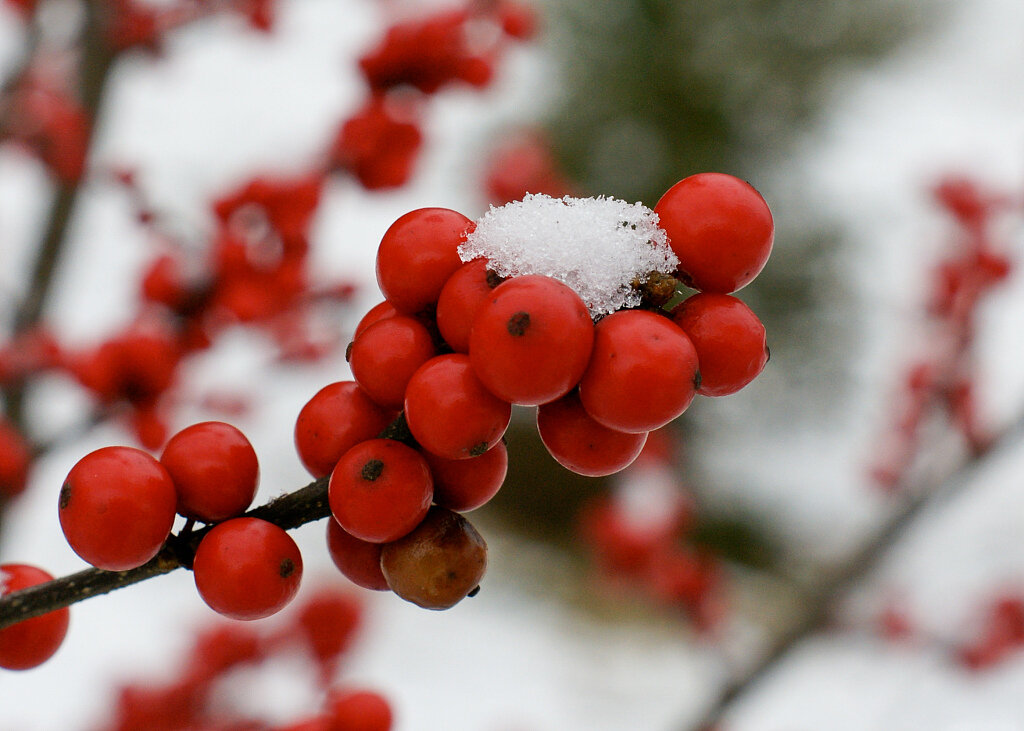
[
  {"x": 348, "y": 351},
  {"x": 65, "y": 495},
  {"x": 286, "y": 569},
  {"x": 767, "y": 353},
  {"x": 475, "y": 591},
  {"x": 518, "y": 324},
  {"x": 372, "y": 470},
  {"x": 478, "y": 449},
  {"x": 494, "y": 279},
  {"x": 697, "y": 380}
]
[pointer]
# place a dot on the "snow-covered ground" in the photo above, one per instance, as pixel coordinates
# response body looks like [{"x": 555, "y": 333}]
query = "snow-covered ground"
[{"x": 199, "y": 120}]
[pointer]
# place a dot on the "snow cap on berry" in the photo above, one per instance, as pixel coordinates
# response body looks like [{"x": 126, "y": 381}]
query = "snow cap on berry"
[
  {"x": 3, "y": 582},
  {"x": 596, "y": 246}
]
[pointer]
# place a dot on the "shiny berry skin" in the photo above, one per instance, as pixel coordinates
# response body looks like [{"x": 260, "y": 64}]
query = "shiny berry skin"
[
  {"x": 417, "y": 255},
  {"x": 466, "y": 484},
  {"x": 359, "y": 710},
  {"x": 531, "y": 340},
  {"x": 720, "y": 228},
  {"x": 643, "y": 372},
  {"x": 461, "y": 297},
  {"x": 380, "y": 490},
  {"x": 729, "y": 338},
  {"x": 439, "y": 563},
  {"x": 247, "y": 568},
  {"x": 30, "y": 642},
  {"x": 582, "y": 445},
  {"x": 15, "y": 459},
  {"x": 386, "y": 354},
  {"x": 380, "y": 311},
  {"x": 337, "y": 418},
  {"x": 449, "y": 411},
  {"x": 214, "y": 470},
  {"x": 358, "y": 560},
  {"x": 116, "y": 507}
]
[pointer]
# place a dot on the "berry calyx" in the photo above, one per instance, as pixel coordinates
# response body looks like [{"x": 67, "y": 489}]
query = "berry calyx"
[
  {"x": 380, "y": 490},
  {"x": 643, "y": 372},
  {"x": 531, "y": 340},
  {"x": 31, "y": 642},
  {"x": 720, "y": 228},
  {"x": 247, "y": 568},
  {"x": 449, "y": 411},
  {"x": 214, "y": 469},
  {"x": 116, "y": 507},
  {"x": 438, "y": 564},
  {"x": 729, "y": 339}
]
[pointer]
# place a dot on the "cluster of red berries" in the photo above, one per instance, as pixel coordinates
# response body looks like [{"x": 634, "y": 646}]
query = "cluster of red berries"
[
  {"x": 641, "y": 543},
  {"x": 322, "y": 629},
  {"x": 453, "y": 347},
  {"x": 416, "y": 58},
  {"x": 118, "y": 504},
  {"x": 960, "y": 283},
  {"x": 997, "y": 634}
]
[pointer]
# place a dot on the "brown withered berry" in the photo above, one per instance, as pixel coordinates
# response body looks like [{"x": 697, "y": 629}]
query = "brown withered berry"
[{"x": 439, "y": 563}]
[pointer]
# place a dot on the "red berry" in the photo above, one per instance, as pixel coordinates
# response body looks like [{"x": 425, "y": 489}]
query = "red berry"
[
  {"x": 459, "y": 301},
  {"x": 449, "y": 411},
  {"x": 214, "y": 470},
  {"x": 358, "y": 560},
  {"x": 729, "y": 339},
  {"x": 117, "y": 506},
  {"x": 336, "y": 419},
  {"x": 359, "y": 710},
  {"x": 246, "y": 568},
  {"x": 582, "y": 445},
  {"x": 643, "y": 373},
  {"x": 15, "y": 459},
  {"x": 720, "y": 228},
  {"x": 380, "y": 490},
  {"x": 466, "y": 484},
  {"x": 30, "y": 642},
  {"x": 386, "y": 354},
  {"x": 531, "y": 340},
  {"x": 380, "y": 311},
  {"x": 328, "y": 620},
  {"x": 439, "y": 563},
  {"x": 417, "y": 255}
]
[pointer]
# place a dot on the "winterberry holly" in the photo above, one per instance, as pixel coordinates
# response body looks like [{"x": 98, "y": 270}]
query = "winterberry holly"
[
  {"x": 728, "y": 337},
  {"x": 380, "y": 490},
  {"x": 117, "y": 507},
  {"x": 643, "y": 372},
  {"x": 531, "y": 340},
  {"x": 437, "y": 564},
  {"x": 214, "y": 469},
  {"x": 31, "y": 642},
  {"x": 246, "y": 568},
  {"x": 720, "y": 228}
]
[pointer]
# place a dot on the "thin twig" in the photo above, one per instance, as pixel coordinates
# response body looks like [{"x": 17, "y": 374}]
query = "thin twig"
[
  {"x": 818, "y": 603},
  {"x": 287, "y": 511},
  {"x": 95, "y": 64}
]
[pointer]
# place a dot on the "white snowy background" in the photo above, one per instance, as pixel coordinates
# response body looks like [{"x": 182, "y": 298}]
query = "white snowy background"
[{"x": 225, "y": 104}]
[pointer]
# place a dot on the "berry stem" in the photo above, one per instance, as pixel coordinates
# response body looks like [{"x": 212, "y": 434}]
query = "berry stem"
[{"x": 287, "y": 511}]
